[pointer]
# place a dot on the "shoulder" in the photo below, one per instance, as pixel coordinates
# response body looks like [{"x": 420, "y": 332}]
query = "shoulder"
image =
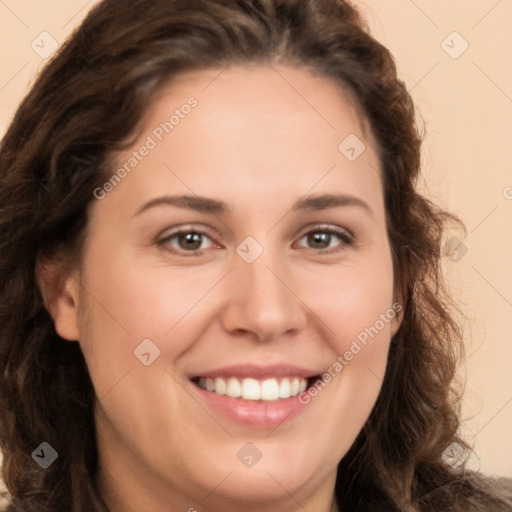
[
  {"x": 9, "y": 507},
  {"x": 502, "y": 487},
  {"x": 467, "y": 491},
  {"x": 490, "y": 494}
]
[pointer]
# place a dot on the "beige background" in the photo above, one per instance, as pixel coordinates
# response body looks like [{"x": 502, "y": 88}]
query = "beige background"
[{"x": 465, "y": 102}]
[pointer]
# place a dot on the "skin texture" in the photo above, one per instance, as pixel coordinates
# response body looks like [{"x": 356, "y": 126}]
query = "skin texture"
[{"x": 259, "y": 145}]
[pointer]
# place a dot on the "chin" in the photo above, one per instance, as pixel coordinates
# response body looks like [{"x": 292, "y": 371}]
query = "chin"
[{"x": 276, "y": 474}]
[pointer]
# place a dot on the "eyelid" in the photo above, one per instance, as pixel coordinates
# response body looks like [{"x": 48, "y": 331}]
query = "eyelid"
[
  {"x": 186, "y": 228},
  {"x": 329, "y": 228},
  {"x": 162, "y": 238},
  {"x": 346, "y": 237}
]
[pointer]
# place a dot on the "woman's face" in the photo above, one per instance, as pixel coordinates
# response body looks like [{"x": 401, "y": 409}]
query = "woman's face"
[{"x": 244, "y": 250}]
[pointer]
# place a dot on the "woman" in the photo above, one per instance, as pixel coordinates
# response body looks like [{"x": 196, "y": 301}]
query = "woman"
[{"x": 220, "y": 289}]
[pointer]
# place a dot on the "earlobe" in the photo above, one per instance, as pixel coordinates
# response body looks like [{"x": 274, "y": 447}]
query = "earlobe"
[
  {"x": 60, "y": 291},
  {"x": 398, "y": 309},
  {"x": 395, "y": 323}
]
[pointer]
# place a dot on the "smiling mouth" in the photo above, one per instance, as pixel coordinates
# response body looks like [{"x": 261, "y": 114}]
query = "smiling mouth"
[{"x": 270, "y": 389}]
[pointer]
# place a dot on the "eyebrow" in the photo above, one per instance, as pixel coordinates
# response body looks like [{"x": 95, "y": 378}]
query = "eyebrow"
[
  {"x": 197, "y": 203},
  {"x": 214, "y": 206},
  {"x": 325, "y": 201}
]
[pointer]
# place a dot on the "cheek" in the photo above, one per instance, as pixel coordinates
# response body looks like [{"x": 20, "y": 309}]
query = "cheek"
[
  {"x": 362, "y": 326},
  {"x": 355, "y": 302},
  {"x": 125, "y": 303},
  {"x": 359, "y": 315},
  {"x": 363, "y": 320},
  {"x": 357, "y": 307},
  {"x": 145, "y": 299}
]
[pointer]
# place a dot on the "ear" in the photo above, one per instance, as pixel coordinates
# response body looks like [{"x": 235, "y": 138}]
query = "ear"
[
  {"x": 398, "y": 307},
  {"x": 59, "y": 288}
]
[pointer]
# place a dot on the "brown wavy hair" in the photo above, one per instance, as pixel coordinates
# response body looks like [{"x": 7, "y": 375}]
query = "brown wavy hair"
[{"x": 87, "y": 104}]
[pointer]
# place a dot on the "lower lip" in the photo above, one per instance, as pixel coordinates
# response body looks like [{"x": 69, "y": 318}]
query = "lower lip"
[{"x": 260, "y": 413}]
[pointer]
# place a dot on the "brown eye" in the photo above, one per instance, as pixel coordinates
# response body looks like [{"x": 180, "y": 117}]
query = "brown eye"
[
  {"x": 319, "y": 240},
  {"x": 327, "y": 240},
  {"x": 186, "y": 242},
  {"x": 189, "y": 241}
]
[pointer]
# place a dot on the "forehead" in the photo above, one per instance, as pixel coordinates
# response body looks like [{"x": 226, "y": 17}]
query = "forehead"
[
  {"x": 252, "y": 91},
  {"x": 258, "y": 129}
]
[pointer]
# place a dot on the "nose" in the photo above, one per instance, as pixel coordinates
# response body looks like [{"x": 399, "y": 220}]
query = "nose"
[{"x": 261, "y": 300}]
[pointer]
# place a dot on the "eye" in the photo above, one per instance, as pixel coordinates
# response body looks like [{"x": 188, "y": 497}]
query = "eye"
[
  {"x": 189, "y": 240},
  {"x": 327, "y": 240}
]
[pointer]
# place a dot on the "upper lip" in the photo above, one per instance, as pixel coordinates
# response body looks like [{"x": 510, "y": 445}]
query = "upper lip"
[{"x": 258, "y": 372}]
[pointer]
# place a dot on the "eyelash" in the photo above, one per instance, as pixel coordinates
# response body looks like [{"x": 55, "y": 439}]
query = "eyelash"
[{"x": 345, "y": 236}]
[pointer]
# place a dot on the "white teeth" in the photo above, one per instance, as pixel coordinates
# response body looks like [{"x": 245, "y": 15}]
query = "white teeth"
[
  {"x": 284, "y": 389},
  {"x": 233, "y": 388},
  {"x": 251, "y": 389},
  {"x": 294, "y": 387},
  {"x": 270, "y": 389},
  {"x": 210, "y": 384},
  {"x": 220, "y": 386}
]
